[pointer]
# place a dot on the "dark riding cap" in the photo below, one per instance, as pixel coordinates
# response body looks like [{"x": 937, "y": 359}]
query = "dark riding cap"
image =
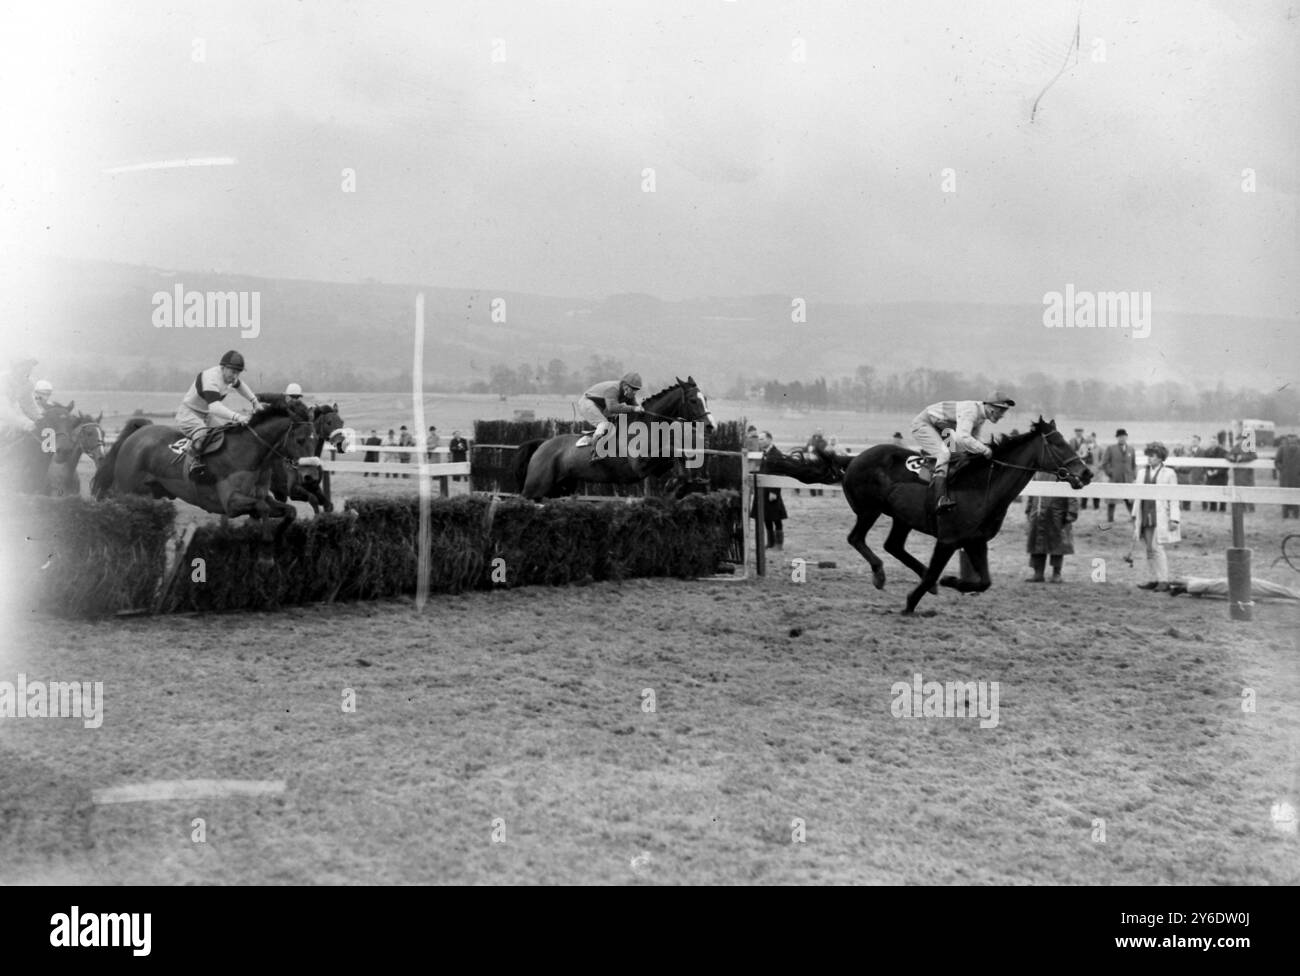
[
  {"x": 1000, "y": 399},
  {"x": 234, "y": 360}
]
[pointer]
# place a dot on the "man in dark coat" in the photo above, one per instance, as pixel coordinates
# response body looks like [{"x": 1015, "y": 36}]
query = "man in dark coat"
[
  {"x": 774, "y": 512},
  {"x": 1050, "y": 532},
  {"x": 1120, "y": 465},
  {"x": 1216, "y": 477},
  {"x": 372, "y": 457},
  {"x": 1287, "y": 462}
]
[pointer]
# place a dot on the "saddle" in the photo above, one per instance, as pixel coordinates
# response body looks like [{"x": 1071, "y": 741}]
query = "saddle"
[
  {"x": 207, "y": 441},
  {"x": 922, "y": 465}
]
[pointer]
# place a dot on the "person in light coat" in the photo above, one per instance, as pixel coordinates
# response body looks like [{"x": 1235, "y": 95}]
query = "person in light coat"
[{"x": 1156, "y": 520}]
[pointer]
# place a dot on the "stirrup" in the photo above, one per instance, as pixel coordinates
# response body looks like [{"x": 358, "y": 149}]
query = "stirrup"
[{"x": 944, "y": 503}]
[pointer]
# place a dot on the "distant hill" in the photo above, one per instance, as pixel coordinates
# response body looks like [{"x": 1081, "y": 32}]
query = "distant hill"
[{"x": 83, "y": 314}]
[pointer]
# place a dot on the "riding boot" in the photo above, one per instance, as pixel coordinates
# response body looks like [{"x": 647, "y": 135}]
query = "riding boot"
[
  {"x": 198, "y": 470},
  {"x": 941, "y": 489},
  {"x": 780, "y": 537}
]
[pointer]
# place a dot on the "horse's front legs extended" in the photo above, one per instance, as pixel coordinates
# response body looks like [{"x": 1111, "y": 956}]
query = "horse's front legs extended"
[{"x": 942, "y": 553}]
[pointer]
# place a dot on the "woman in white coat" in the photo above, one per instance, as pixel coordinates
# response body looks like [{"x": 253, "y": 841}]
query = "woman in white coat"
[{"x": 1155, "y": 520}]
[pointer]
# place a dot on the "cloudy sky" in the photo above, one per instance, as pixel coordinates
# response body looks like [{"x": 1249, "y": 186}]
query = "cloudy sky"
[{"x": 797, "y": 148}]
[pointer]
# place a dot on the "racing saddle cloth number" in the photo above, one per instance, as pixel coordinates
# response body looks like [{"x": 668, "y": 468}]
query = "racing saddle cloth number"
[
  {"x": 180, "y": 446},
  {"x": 921, "y": 466}
]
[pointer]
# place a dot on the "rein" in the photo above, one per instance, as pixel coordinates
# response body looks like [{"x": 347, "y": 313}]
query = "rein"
[{"x": 293, "y": 462}]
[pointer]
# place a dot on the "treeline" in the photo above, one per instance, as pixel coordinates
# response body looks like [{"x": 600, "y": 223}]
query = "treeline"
[
  {"x": 555, "y": 377},
  {"x": 1034, "y": 393},
  {"x": 865, "y": 390}
]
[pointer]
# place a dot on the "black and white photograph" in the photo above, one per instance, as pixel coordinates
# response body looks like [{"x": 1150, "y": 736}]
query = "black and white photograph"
[{"x": 651, "y": 442}]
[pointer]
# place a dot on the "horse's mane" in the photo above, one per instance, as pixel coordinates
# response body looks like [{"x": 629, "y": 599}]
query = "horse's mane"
[
  {"x": 80, "y": 418},
  {"x": 1009, "y": 442},
  {"x": 272, "y": 410},
  {"x": 679, "y": 385}
]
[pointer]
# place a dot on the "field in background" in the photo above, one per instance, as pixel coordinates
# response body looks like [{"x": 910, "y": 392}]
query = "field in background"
[
  {"x": 772, "y": 703},
  {"x": 447, "y": 412}
]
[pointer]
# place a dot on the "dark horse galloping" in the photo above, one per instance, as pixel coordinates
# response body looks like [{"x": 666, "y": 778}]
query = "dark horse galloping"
[
  {"x": 552, "y": 468},
  {"x": 147, "y": 460},
  {"x": 878, "y": 482}
]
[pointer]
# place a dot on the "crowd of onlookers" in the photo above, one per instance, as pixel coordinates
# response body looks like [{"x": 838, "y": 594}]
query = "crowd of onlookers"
[{"x": 457, "y": 447}]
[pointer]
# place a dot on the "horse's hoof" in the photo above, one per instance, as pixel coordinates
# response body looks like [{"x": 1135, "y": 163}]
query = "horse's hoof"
[
  {"x": 878, "y": 578},
  {"x": 908, "y": 611},
  {"x": 954, "y": 581}
]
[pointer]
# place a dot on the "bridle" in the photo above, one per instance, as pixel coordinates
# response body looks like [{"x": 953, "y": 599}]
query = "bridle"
[
  {"x": 98, "y": 453},
  {"x": 275, "y": 448},
  {"x": 683, "y": 390},
  {"x": 1062, "y": 473}
]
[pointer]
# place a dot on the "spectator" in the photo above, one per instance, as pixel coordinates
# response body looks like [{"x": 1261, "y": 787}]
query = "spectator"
[
  {"x": 774, "y": 512},
  {"x": 372, "y": 457},
  {"x": 751, "y": 439},
  {"x": 1155, "y": 522},
  {"x": 1216, "y": 477},
  {"x": 1120, "y": 467},
  {"x": 1243, "y": 476},
  {"x": 1050, "y": 532},
  {"x": 898, "y": 440},
  {"x": 1077, "y": 441},
  {"x": 816, "y": 444},
  {"x": 389, "y": 456},
  {"x": 1287, "y": 462},
  {"x": 1084, "y": 448},
  {"x": 459, "y": 448},
  {"x": 431, "y": 445},
  {"x": 1181, "y": 472},
  {"x": 405, "y": 440},
  {"x": 1195, "y": 476}
]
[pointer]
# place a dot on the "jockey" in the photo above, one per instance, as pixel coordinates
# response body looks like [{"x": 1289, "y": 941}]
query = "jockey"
[
  {"x": 608, "y": 398},
  {"x": 961, "y": 421},
  {"x": 41, "y": 394},
  {"x": 202, "y": 406}
]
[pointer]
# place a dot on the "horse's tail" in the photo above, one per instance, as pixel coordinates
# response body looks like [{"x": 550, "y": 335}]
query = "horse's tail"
[
  {"x": 102, "y": 483},
  {"x": 523, "y": 454}
]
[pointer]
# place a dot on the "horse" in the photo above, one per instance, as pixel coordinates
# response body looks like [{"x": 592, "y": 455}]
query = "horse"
[
  {"x": 87, "y": 437},
  {"x": 294, "y": 482},
  {"x": 149, "y": 461},
  {"x": 29, "y": 454},
  {"x": 554, "y": 467},
  {"x": 881, "y": 481}
]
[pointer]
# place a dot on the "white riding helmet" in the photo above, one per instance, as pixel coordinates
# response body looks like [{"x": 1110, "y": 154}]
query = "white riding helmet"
[
  {"x": 44, "y": 387},
  {"x": 293, "y": 389}
]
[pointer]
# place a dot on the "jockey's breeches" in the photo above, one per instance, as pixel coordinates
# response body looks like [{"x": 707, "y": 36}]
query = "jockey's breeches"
[
  {"x": 591, "y": 413},
  {"x": 930, "y": 441},
  {"x": 190, "y": 421}
]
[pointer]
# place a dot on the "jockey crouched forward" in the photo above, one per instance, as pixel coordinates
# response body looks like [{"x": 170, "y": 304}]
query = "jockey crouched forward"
[
  {"x": 202, "y": 405},
  {"x": 961, "y": 421},
  {"x": 606, "y": 399}
]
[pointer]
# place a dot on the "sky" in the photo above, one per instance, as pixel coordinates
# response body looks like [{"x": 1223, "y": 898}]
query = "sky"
[{"x": 796, "y": 148}]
